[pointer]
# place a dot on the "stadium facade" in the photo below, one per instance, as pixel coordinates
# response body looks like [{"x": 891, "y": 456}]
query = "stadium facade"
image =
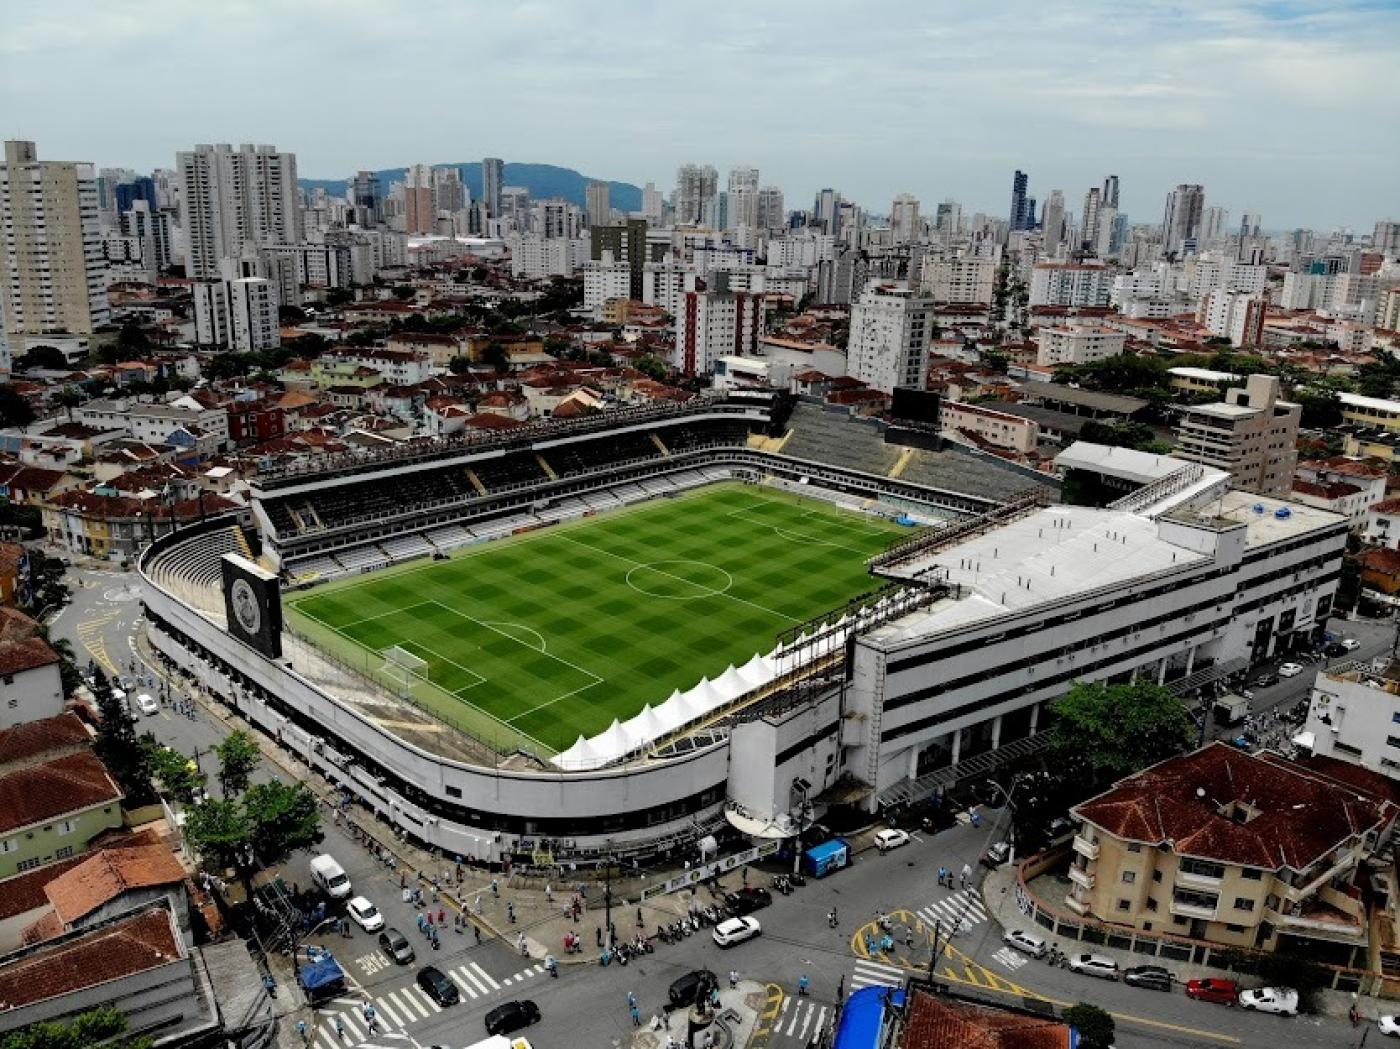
[{"x": 986, "y": 620}]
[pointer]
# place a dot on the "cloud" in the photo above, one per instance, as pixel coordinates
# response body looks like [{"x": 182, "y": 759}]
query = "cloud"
[{"x": 1282, "y": 107}]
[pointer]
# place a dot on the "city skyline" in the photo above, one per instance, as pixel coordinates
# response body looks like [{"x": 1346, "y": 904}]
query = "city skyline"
[{"x": 1271, "y": 107}]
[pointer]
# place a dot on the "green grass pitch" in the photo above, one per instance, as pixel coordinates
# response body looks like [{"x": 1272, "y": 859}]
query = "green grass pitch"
[{"x": 550, "y": 634}]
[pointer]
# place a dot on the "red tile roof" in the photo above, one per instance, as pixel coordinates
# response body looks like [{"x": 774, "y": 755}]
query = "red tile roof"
[
  {"x": 135, "y": 945},
  {"x": 44, "y": 736},
  {"x": 44, "y": 792},
  {"x": 104, "y": 876},
  {"x": 1178, "y": 804},
  {"x": 1335, "y": 490},
  {"x": 27, "y": 654},
  {"x": 25, "y": 892},
  {"x": 944, "y": 1023}
]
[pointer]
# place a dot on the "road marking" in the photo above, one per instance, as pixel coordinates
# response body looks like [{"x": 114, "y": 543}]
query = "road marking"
[
  {"x": 467, "y": 974},
  {"x": 462, "y": 984},
  {"x": 401, "y": 1006},
  {"x": 485, "y": 976},
  {"x": 874, "y": 974},
  {"x": 428, "y": 999},
  {"x": 1010, "y": 958},
  {"x": 417, "y": 1006},
  {"x": 383, "y": 1006}
]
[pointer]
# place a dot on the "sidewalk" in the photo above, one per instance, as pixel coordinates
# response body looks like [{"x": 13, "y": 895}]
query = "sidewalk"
[
  {"x": 999, "y": 898},
  {"x": 733, "y": 1026}
]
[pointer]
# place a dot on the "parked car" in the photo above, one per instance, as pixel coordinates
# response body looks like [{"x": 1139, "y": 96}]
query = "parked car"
[
  {"x": 1266, "y": 679},
  {"x": 996, "y": 855},
  {"x": 1213, "y": 989},
  {"x": 395, "y": 944},
  {"x": 1290, "y": 669},
  {"x": 747, "y": 900},
  {"x": 1350, "y": 644},
  {"x": 438, "y": 987},
  {"x": 1094, "y": 965},
  {"x": 1029, "y": 942},
  {"x": 364, "y": 914},
  {"x": 147, "y": 704},
  {"x": 1153, "y": 977},
  {"x": 512, "y": 1016},
  {"x": 1389, "y": 1025},
  {"x": 1281, "y": 1000},
  {"x": 683, "y": 990},
  {"x": 891, "y": 839},
  {"x": 1335, "y": 649},
  {"x": 736, "y": 930}
]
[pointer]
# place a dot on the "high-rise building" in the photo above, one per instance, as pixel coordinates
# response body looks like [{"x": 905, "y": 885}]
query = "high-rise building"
[
  {"x": 624, "y": 243},
  {"x": 1253, "y": 433},
  {"x": 151, "y": 227},
  {"x": 1109, "y": 197},
  {"x": 51, "y": 261},
  {"x": 598, "y": 198},
  {"x": 891, "y": 327},
  {"x": 449, "y": 191},
  {"x": 1181, "y": 221},
  {"x": 743, "y": 197},
  {"x": 904, "y": 218},
  {"x": 1089, "y": 228},
  {"x": 237, "y": 311},
  {"x": 493, "y": 177},
  {"x": 366, "y": 199},
  {"x": 653, "y": 204},
  {"x": 419, "y": 214},
  {"x": 1250, "y": 224},
  {"x": 770, "y": 213},
  {"x": 713, "y": 324},
  {"x": 827, "y": 209},
  {"x": 142, "y": 187},
  {"x": 1215, "y": 221},
  {"x": 1052, "y": 225},
  {"x": 232, "y": 197},
  {"x": 948, "y": 218},
  {"x": 696, "y": 186},
  {"x": 1020, "y": 218},
  {"x": 1386, "y": 238},
  {"x": 1234, "y": 315}
]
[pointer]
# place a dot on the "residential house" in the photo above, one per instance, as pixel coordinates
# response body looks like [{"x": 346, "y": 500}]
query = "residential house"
[{"x": 30, "y": 685}]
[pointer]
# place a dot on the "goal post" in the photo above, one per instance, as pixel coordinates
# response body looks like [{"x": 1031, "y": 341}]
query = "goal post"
[{"x": 402, "y": 667}]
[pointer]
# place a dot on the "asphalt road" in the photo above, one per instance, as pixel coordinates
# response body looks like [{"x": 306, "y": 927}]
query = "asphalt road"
[{"x": 587, "y": 1004}]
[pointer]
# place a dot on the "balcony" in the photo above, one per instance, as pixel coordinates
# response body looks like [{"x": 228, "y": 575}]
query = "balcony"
[
  {"x": 1193, "y": 910},
  {"x": 1086, "y": 848},
  {"x": 1077, "y": 905},
  {"x": 1084, "y": 879},
  {"x": 1319, "y": 923},
  {"x": 1190, "y": 880}
]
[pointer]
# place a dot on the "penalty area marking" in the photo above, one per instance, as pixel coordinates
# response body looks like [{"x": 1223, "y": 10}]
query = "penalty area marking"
[{"x": 505, "y": 628}]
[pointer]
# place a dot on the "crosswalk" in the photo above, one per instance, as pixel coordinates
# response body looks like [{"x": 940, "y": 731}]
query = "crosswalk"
[
  {"x": 1010, "y": 958},
  {"x": 397, "y": 1009},
  {"x": 874, "y": 974},
  {"x": 801, "y": 1019},
  {"x": 958, "y": 911}
]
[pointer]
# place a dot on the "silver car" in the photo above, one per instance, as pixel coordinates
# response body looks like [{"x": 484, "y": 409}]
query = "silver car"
[
  {"x": 1094, "y": 965},
  {"x": 1028, "y": 942}
]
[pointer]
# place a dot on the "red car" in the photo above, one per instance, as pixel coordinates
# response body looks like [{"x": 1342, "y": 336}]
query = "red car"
[{"x": 1213, "y": 990}]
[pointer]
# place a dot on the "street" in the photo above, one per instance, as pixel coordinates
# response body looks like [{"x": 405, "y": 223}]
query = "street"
[{"x": 587, "y": 1004}]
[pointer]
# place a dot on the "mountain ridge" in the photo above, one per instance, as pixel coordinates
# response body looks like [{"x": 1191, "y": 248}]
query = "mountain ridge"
[{"x": 542, "y": 181}]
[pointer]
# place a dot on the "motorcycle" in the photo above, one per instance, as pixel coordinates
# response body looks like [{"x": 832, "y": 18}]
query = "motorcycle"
[{"x": 798, "y": 879}]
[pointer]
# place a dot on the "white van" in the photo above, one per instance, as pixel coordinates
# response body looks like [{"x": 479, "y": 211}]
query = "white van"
[
  {"x": 500, "y": 1041},
  {"x": 330, "y": 876}
]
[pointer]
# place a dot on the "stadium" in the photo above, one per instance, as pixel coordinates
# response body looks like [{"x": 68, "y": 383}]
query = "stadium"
[{"x": 634, "y": 630}]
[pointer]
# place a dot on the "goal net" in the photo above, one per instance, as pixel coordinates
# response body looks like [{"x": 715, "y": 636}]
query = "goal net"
[{"x": 401, "y": 667}]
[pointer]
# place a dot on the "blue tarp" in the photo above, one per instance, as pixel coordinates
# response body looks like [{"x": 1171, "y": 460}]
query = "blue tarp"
[
  {"x": 862, "y": 1017},
  {"x": 322, "y": 974}
]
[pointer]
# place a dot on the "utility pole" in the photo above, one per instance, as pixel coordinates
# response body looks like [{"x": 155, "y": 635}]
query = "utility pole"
[{"x": 607, "y": 897}]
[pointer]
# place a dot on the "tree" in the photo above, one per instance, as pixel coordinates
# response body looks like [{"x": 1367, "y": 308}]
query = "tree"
[
  {"x": 404, "y": 292},
  {"x": 1124, "y": 373},
  {"x": 102, "y": 1026},
  {"x": 496, "y": 355},
  {"x": 69, "y": 398},
  {"x": 459, "y": 365},
  {"x": 14, "y": 409},
  {"x": 238, "y": 756},
  {"x": 179, "y": 775},
  {"x": 261, "y": 828},
  {"x": 339, "y": 296},
  {"x": 132, "y": 338},
  {"x": 1322, "y": 409},
  {"x": 42, "y": 357},
  {"x": 1095, "y": 1026},
  {"x": 291, "y": 315},
  {"x": 1103, "y": 732},
  {"x": 652, "y": 367},
  {"x": 126, "y": 758},
  {"x": 69, "y": 676},
  {"x": 1119, "y": 434}
]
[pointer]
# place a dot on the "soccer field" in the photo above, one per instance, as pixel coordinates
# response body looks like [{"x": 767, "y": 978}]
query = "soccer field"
[{"x": 554, "y": 633}]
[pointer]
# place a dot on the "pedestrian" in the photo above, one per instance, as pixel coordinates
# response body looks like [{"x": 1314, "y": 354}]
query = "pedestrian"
[
  {"x": 733, "y": 978},
  {"x": 802, "y": 986},
  {"x": 403, "y": 880},
  {"x": 495, "y": 887},
  {"x": 598, "y": 934},
  {"x": 745, "y": 874},
  {"x": 639, "y": 917},
  {"x": 548, "y": 893},
  {"x": 636, "y": 1016},
  {"x": 942, "y": 873},
  {"x": 476, "y": 929},
  {"x": 510, "y": 912},
  {"x": 631, "y": 1000},
  {"x": 967, "y": 875},
  {"x": 430, "y": 919},
  {"x": 339, "y": 1027},
  {"x": 442, "y": 917},
  {"x": 909, "y": 938},
  {"x": 301, "y": 1030}
]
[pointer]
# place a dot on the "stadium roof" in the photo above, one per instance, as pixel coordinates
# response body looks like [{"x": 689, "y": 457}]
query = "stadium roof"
[{"x": 1109, "y": 402}]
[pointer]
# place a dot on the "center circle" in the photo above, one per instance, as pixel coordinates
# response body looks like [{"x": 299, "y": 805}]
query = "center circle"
[{"x": 679, "y": 580}]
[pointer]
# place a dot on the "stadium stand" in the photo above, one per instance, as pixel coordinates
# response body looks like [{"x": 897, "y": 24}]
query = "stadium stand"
[{"x": 837, "y": 438}]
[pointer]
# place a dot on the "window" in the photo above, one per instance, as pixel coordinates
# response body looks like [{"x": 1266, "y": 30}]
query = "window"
[
  {"x": 1250, "y": 874},
  {"x": 1157, "y": 877},
  {"x": 8, "y": 845},
  {"x": 63, "y": 853},
  {"x": 1192, "y": 898},
  {"x": 1129, "y": 877},
  {"x": 1178, "y": 920},
  {"x": 1202, "y": 868},
  {"x": 1235, "y": 928},
  {"x": 28, "y": 865},
  {"x": 1395, "y": 717},
  {"x": 1151, "y": 903},
  {"x": 1125, "y": 905},
  {"x": 66, "y": 827},
  {"x": 1134, "y": 846},
  {"x": 453, "y": 792},
  {"x": 1243, "y": 903}
]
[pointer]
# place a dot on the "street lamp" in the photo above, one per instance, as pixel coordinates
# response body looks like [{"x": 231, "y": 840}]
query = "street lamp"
[{"x": 607, "y": 897}]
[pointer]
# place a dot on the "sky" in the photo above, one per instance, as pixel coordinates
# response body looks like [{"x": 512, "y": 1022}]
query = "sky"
[{"x": 1283, "y": 108}]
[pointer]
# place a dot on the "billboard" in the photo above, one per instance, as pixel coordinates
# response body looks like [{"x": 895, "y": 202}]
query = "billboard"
[{"x": 253, "y": 605}]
